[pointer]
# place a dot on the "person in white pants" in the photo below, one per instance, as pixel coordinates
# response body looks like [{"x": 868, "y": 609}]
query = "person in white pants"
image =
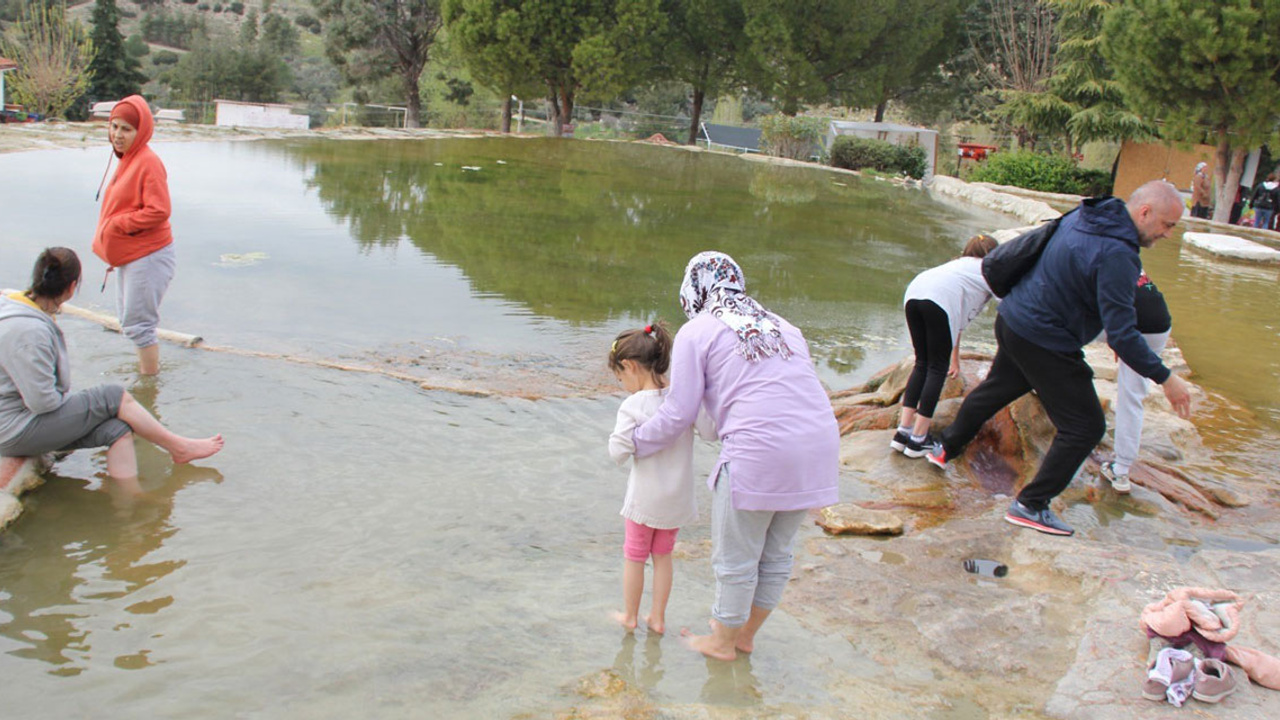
[{"x": 1155, "y": 324}]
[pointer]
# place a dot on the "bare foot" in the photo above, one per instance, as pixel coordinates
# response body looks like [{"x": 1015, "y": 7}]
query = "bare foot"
[
  {"x": 627, "y": 623},
  {"x": 194, "y": 449},
  {"x": 742, "y": 644},
  {"x": 658, "y": 626},
  {"x": 706, "y": 644}
]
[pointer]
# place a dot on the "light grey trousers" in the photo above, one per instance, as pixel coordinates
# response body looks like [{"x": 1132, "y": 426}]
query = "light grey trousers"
[
  {"x": 750, "y": 554},
  {"x": 1131, "y": 388},
  {"x": 140, "y": 287}
]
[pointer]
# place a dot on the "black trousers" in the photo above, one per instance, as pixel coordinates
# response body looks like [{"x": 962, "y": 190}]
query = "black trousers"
[
  {"x": 931, "y": 337},
  {"x": 1064, "y": 384}
]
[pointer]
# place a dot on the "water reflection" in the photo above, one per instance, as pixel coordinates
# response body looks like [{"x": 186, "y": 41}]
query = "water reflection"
[
  {"x": 81, "y": 545},
  {"x": 732, "y": 683},
  {"x": 587, "y": 232},
  {"x": 645, "y": 671}
]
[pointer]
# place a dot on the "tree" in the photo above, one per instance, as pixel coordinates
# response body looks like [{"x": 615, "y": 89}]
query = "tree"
[
  {"x": 917, "y": 38},
  {"x": 1202, "y": 68},
  {"x": 213, "y": 70},
  {"x": 1084, "y": 80},
  {"x": 114, "y": 72},
  {"x": 492, "y": 37},
  {"x": 53, "y": 56},
  {"x": 704, "y": 43},
  {"x": 374, "y": 39},
  {"x": 249, "y": 29},
  {"x": 280, "y": 35},
  {"x": 597, "y": 47},
  {"x": 804, "y": 51},
  {"x": 1014, "y": 44}
]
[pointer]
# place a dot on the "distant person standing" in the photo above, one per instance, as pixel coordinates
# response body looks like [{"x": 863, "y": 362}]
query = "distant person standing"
[
  {"x": 1155, "y": 324},
  {"x": 1082, "y": 283},
  {"x": 1200, "y": 191},
  {"x": 133, "y": 234},
  {"x": 1264, "y": 200}
]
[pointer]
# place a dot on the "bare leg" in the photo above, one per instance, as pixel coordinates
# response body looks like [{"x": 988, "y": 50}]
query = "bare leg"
[
  {"x": 663, "y": 574},
  {"x": 181, "y": 449},
  {"x": 149, "y": 360},
  {"x": 921, "y": 426},
  {"x": 908, "y": 417},
  {"x": 632, "y": 587},
  {"x": 9, "y": 468},
  {"x": 719, "y": 645},
  {"x": 747, "y": 637},
  {"x": 122, "y": 461}
]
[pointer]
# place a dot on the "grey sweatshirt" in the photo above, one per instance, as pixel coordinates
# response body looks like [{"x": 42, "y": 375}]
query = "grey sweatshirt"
[{"x": 35, "y": 373}]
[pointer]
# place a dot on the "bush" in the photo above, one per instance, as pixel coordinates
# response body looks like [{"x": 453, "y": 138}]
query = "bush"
[
  {"x": 1046, "y": 173},
  {"x": 165, "y": 57},
  {"x": 308, "y": 21},
  {"x": 798, "y": 138},
  {"x": 855, "y": 153},
  {"x": 236, "y": 7}
]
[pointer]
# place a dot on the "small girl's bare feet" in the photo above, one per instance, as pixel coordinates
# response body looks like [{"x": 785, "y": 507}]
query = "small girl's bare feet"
[
  {"x": 196, "y": 448},
  {"x": 658, "y": 625},
  {"x": 627, "y": 623}
]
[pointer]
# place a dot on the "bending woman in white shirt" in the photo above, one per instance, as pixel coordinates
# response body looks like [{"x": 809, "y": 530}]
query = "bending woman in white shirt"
[{"x": 939, "y": 303}]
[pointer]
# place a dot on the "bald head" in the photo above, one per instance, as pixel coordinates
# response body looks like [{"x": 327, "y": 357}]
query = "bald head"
[{"x": 1155, "y": 209}]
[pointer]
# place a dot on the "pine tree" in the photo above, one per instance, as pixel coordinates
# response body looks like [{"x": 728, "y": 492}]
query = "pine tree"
[{"x": 114, "y": 73}]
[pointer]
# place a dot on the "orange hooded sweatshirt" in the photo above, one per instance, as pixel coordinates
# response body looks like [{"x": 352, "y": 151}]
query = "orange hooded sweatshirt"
[{"x": 134, "y": 220}]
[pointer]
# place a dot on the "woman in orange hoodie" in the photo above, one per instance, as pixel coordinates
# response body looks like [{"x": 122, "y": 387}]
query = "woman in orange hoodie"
[{"x": 133, "y": 234}]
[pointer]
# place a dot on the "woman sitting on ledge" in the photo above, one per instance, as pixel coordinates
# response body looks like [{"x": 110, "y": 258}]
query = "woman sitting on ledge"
[{"x": 38, "y": 411}]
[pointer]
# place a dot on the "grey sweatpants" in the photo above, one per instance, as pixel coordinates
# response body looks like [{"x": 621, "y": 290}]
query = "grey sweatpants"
[
  {"x": 86, "y": 419},
  {"x": 1131, "y": 388},
  {"x": 140, "y": 288},
  {"x": 750, "y": 554}
]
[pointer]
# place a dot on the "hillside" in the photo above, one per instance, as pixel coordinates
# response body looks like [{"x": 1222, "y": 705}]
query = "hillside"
[{"x": 221, "y": 19}]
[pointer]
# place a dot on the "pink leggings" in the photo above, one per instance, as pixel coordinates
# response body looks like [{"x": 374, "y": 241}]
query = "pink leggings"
[{"x": 642, "y": 540}]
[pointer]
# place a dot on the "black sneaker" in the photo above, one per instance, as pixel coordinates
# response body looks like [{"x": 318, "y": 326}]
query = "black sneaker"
[
  {"x": 919, "y": 449},
  {"x": 900, "y": 440},
  {"x": 1042, "y": 520}
]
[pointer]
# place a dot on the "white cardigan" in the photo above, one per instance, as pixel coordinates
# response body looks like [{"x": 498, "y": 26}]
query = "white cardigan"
[{"x": 660, "y": 489}]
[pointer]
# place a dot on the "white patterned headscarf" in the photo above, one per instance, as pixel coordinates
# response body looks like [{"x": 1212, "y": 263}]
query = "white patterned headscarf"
[{"x": 713, "y": 283}]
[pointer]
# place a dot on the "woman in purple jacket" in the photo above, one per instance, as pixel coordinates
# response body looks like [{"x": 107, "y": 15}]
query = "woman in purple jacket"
[{"x": 780, "y": 449}]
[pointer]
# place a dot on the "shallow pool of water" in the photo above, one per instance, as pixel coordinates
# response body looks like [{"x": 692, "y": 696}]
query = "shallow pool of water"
[{"x": 364, "y": 547}]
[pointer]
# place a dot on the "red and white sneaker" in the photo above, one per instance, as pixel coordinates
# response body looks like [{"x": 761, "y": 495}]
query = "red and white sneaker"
[{"x": 937, "y": 456}]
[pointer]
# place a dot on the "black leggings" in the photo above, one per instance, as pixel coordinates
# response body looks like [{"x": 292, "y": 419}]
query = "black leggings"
[
  {"x": 931, "y": 337},
  {"x": 1064, "y": 384}
]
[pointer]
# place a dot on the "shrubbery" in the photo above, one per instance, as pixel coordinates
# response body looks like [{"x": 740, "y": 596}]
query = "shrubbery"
[
  {"x": 1046, "y": 173},
  {"x": 855, "y": 153},
  {"x": 798, "y": 138},
  {"x": 308, "y": 21}
]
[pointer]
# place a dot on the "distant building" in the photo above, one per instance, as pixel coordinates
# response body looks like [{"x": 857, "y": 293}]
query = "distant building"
[
  {"x": 231, "y": 113},
  {"x": 889, "y": 132},
  {"x": 5, "y": 66}
]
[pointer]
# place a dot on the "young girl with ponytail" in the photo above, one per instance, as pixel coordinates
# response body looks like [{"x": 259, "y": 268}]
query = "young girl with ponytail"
[{"x": 660, "y": 491}]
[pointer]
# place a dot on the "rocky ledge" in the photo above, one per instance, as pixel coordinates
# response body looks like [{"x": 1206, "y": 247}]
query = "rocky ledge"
[{"x": 1058, "y": 634}]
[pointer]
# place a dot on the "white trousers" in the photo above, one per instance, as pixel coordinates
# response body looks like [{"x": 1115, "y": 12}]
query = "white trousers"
[
  {"x": 1131, "y": 389},
  {"x": 750, "y": 555}
]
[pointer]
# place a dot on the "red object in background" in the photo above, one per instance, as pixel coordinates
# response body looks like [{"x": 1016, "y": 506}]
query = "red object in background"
[{"x": 974, "y": 151}]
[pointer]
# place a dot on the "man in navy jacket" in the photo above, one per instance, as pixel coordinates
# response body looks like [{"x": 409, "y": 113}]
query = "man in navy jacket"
[{"x": 1082, "y": 284}]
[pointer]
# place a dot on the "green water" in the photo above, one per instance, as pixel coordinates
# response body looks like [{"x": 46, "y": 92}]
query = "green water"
[{"x": 366, "y": 548}]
